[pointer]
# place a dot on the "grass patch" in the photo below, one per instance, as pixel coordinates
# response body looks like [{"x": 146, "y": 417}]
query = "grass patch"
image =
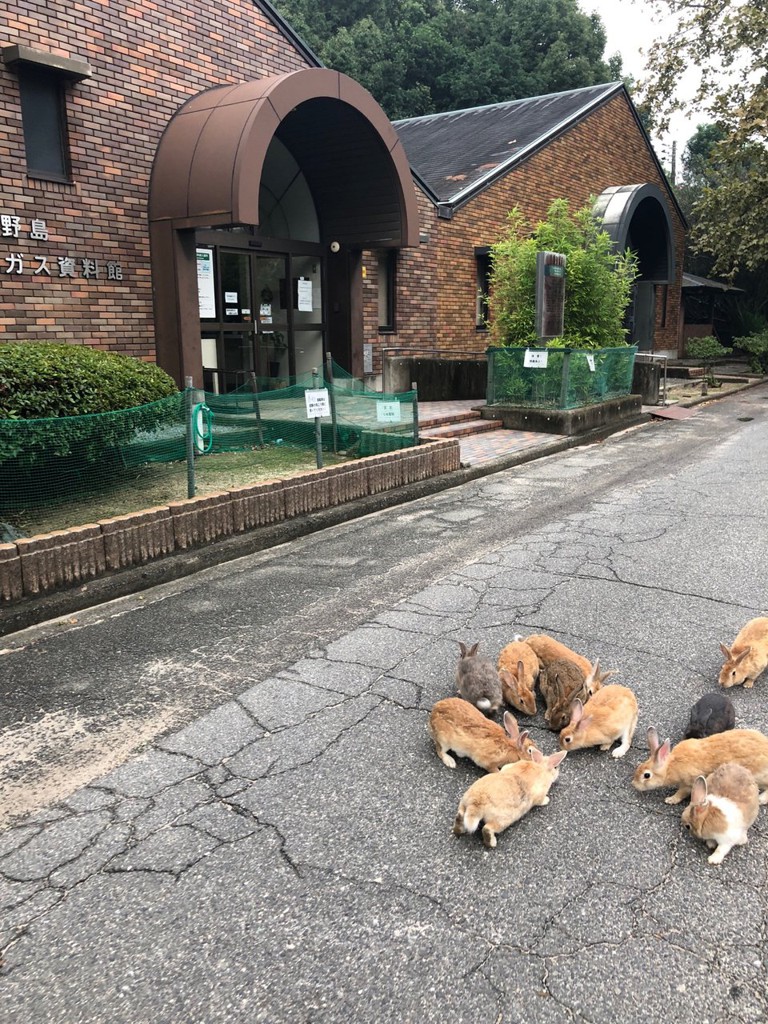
[{"x": 158, "y": 483}]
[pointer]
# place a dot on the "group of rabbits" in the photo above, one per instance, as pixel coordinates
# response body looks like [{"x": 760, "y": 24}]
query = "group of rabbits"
[{"x": 721, "y": 768}]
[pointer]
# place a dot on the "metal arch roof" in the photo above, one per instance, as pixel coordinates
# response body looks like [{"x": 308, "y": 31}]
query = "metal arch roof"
[
  {"x": 460, "y": 152},
  {"x": 210, "y": 158},
  {"x": 637, "y": 217}
]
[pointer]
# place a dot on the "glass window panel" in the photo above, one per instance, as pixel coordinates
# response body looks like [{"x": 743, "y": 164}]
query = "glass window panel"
[{"x": 45, "y": 130}]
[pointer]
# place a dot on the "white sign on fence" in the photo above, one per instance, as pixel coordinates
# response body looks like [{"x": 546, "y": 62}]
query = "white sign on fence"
[
  {"x": 388, "y": 412},
  {"x": 591, "y": 362},
  {"x": 535, "y": 358},
  {"x": 317, "y": 402}
]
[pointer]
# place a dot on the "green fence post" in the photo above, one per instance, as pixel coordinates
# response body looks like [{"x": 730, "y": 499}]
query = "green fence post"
[
  {"x": 564, "y": 378},
  {"x": 189, "y": 405},
  {"x": 415, "y": 390},
  {"x": 255, "y": 390}
]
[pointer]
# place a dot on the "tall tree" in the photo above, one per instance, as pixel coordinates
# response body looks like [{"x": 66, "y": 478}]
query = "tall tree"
[
  {"x": 425, "y": 56},
  {"x": 727, "y": 41}
]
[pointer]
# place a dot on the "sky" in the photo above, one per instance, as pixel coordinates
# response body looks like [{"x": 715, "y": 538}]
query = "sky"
[{"x": 629, "y": 30}]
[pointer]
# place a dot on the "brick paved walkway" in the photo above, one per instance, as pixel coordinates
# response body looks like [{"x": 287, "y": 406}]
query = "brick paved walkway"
[{"x": 478, "y": 448}]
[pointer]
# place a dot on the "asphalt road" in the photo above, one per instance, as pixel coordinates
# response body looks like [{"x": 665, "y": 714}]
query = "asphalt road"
[{"x": 220, "y": 803}]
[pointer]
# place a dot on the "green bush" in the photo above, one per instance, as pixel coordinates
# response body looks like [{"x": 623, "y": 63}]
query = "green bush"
[
  {"x": 757, "y": 346},
  {"x": 39, "y": 380},
  {"x": 707, "y": 350},
  {"x": 70, "y": 401},
  {"x": 598, "y": 282}
]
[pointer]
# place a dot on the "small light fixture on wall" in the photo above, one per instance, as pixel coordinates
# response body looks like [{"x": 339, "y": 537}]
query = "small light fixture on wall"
[{"x": 334, "y": 247}]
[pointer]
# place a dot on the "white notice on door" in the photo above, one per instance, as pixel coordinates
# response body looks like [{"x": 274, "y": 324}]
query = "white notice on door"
[{"x": 305, "y": 295}]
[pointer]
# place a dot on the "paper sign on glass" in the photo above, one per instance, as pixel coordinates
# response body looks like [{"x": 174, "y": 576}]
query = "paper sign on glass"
[
  {"x": 231, "y": 297},
  {"x": 388, "y": 412},
  {"x": 305, "y": 295},
  {"x": 205, "y": 284},
  {"x": 536, "y": 358},
  {"x": 317, "y": 402}
]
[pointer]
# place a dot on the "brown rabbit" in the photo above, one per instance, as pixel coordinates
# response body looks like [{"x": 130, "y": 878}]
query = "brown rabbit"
[
  {"x": 547, "y": 650},
  {"x": 610, "y": 715},
  {"x": 747, "y": 656},
  {"x": 477, "y": 680},
  {"x": 561, "y": 683},
  {"x": 504, "y": 797},
  {"x": 722, "y": 808},
  {"x": 518, "y": 671},
  {"x": 454, "y": 724},
  {"x": 681, "y": 766}
]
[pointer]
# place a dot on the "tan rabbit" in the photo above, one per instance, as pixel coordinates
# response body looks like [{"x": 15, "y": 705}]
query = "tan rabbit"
[
  {"x": 547, "y": 650},
  {"x": 722, "y": 808},
  {"x": 680, "y": 766},
  {"x": 477, "y": 680},
  {"x": 518, "y": 671},
  {"x": 747, "y": 656},
  {"x": 610, "y": 715},
  {"x": 504, "y": 797},
  {"x": 454, "y": 724}
]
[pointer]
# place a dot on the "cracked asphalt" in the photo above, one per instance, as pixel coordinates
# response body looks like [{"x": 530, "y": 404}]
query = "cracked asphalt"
[{"x": 219, "y": 802}]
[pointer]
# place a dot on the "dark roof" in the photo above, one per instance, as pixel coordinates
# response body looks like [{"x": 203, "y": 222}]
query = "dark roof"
[
  {"x": 282, "y": 26},
  {"x": 692, "y": 281},
  {"x": 459, "y": 153}
]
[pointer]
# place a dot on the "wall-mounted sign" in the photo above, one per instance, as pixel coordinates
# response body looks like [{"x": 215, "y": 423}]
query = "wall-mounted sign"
[
  {"x": 206, "y": 296},
  {"x": 535, "y": 358},
  {"x": 550, "y": 294},
  {"x": 317, "y": 402},
  {"x": 45, "y": 264}
]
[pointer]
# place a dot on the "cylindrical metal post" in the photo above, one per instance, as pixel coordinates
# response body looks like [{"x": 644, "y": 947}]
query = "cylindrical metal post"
[
  {"x": 189, "y": 405},
  {"x": 565, "y": 378},
  {"x": 415, "y": 390},
  {"x": 318, "y": 427},
  {"x": 332, "y": 395}
]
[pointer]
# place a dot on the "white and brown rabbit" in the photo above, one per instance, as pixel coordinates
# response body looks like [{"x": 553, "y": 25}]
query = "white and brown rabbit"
[
  {"x": 504, "y": 797},
  {"x": 722, "y": 808},
  {"x": 679, "y": 767},
  {"x": 518, "y": 671},
  {"x": 477, "y": 680},
  {"x": 561, "y": 682},
  {"x": 712, "y": 713},
  {"x": 456, "y": 725},
  {"x": 610, "y": 715},
  {"x": 547, "y": 650},
  {"x": 747, "y": 657}
]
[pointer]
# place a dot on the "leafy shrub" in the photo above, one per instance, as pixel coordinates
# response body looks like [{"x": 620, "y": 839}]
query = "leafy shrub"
[
  {"x": 757, "y": 346},
  {"x": 39, "y": 380},
  {"x": 707, "y": 350},
  {"x": 598, "y": 280},
  {"x": 71, "y": 401}
]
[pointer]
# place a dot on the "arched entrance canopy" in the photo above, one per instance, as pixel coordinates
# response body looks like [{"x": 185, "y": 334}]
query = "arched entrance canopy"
[
  {"x": 209, "y": 161},
  {"x": 637, "y": 217}
]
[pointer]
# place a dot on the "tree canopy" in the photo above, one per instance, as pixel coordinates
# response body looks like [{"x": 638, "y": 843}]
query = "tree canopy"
[
  {"x": 727, "y": 41},
  {"x": 425, "y": 56}
]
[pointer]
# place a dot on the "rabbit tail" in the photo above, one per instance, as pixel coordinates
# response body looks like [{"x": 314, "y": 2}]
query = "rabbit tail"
[
  {"x": 484, "y": 704},
  {"x": 468, "y": 818}
]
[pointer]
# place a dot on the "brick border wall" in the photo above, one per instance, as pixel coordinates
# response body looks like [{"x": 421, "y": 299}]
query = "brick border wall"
[{"x": 35, "y": 566}]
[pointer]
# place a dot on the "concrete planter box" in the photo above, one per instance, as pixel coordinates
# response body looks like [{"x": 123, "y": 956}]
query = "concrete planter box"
[{"x": 566, "y": 421}]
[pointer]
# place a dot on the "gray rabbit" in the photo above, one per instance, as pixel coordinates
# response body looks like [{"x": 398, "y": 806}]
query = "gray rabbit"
[
  {"x": 477, "y": 680},
  {"x": 714, "y": 712}
]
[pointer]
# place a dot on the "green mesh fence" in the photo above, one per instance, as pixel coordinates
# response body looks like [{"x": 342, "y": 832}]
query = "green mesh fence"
[
  {"x": 82, "y": 468},
  {"x": 570, "y": 379}
]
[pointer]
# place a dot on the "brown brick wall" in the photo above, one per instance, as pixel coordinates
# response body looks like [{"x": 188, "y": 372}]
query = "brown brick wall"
[
  {"x": 605, "y": 149},
  {"x": 147, "y": 59}
]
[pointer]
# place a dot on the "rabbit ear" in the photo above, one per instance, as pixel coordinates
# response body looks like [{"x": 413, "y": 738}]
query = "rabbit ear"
[
  {"x": 463, "y": 649},
  {"x": 536, "y": 755},
  {"x": 520, "y": 670},
  {"x": 577, "y": 712},
  {"x": 521, "y": 740},
  {"x": 653, "y": 740},
  {"x": 555, "y": 759},
  {"x": 725, "y": 652},
  {"x": 663, "y": 752},
  {"x": 473, "y": 649},
  {"x": 699, "y": 791},
  {"x": 740, "y": 657},
  {"x": 510, "y": 724}
]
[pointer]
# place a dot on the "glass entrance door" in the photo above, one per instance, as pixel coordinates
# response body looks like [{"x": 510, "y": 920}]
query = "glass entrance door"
[{"x": 261, "y": 317}]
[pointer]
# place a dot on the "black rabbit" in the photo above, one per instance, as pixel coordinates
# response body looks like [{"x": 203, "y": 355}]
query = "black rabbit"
[{"x": 714, "y": 712}]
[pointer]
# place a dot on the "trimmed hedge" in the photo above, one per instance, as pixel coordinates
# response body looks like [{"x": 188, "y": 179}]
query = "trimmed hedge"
[{"x": 40, "y": 380}]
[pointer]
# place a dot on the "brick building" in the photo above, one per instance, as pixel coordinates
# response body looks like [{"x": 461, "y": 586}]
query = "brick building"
[{"x": 184, "y": 182}]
